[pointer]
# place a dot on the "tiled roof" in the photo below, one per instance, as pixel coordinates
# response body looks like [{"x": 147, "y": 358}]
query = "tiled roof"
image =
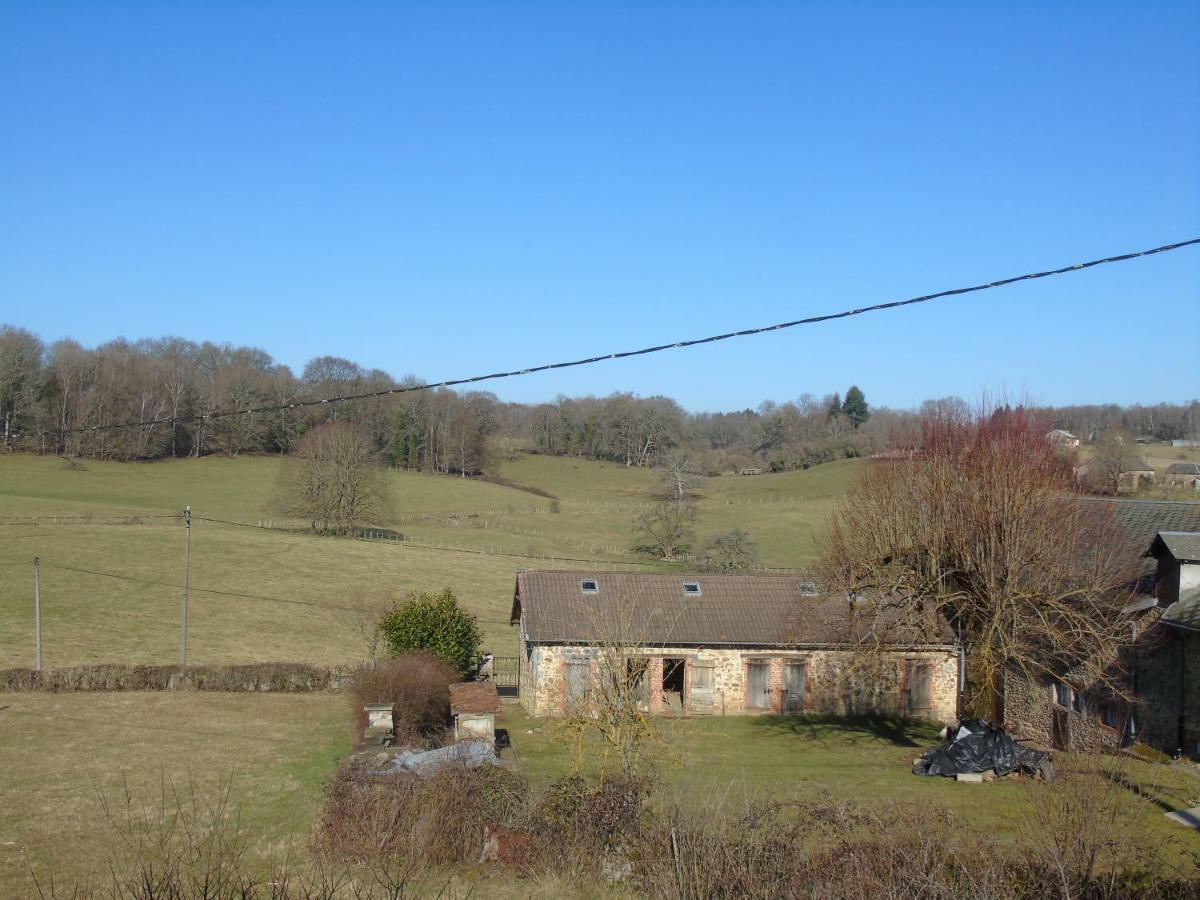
[
  {"x": 1184, "y": 612},
  {"x": 1184, "y": 468},
  {"x": 1183, "y": 545},
  {"x": 1142, "y": 520},
  {"x": 474, "y": 697},
  {"x": 747, "y": 610}
]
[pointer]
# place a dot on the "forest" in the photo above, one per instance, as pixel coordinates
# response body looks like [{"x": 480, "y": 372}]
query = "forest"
[{"x": 53, "y": 394}]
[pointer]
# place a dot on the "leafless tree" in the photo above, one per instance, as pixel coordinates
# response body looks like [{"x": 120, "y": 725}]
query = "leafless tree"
[
  {"x": 334, "y": 480},
  {"x": 616, "y": 709},
  {"x": 978, "y": 525},
  {"x": 20, "y": 371},
  {"x": 1114, "y": 454},
  {"x": 666, "y": 528}
]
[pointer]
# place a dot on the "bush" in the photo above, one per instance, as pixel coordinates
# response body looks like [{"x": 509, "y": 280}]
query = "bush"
[
  {"x": 418, "y": 683},
  {"x": 435, "y": 819},
  {"x": 437, "y": 623}
]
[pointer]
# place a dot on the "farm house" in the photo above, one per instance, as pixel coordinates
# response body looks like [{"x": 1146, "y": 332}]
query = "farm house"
[{"x": 725, "y": 645}]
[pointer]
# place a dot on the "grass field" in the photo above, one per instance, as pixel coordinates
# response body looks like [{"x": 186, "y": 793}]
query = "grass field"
[
  {"x": 59, "y": 753},
  {"x": 737, "y": 759},
  {"x": 298, "y": 581}
]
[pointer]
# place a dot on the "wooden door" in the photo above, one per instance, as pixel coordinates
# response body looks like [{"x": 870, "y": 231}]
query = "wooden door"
[
  {"x": 795, "y": 677},
  {"x": 758, "y": 691}
]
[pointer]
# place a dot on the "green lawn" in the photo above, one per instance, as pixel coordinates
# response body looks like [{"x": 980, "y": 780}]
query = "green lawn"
[
  {"x": 485, "y": 532},
  {"x": 737, "y": 759},
  {"x": 60, "y": 753}
]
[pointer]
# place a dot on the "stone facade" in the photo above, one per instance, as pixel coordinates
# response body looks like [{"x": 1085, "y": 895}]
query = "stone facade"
[
  {"x": 715, "y": 680},
  {"x": 1054, "y": 713},
  {"x": 1168, "y": 687}
]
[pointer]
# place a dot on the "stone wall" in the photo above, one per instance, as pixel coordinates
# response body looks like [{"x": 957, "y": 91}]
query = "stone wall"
[
  {"x": 1033, "y": 712},
  {"x": 837, "y": 682},
  {"x": 1161, "y": 689}
]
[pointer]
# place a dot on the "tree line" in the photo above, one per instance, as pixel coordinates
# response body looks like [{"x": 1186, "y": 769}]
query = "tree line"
[{"x": 63, "y": 385}]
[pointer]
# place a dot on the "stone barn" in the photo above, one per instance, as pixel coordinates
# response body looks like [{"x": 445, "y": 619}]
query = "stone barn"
[{"x": 726, "y": 645}]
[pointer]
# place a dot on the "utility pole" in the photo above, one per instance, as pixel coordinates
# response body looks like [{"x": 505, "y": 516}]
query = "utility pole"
[
  {"x": 37, "y": 612},
  {"x": 187, "y": 550}
]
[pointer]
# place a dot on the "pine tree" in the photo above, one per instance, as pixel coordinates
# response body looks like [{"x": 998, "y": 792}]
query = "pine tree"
[{"x": 854, "y": 407}]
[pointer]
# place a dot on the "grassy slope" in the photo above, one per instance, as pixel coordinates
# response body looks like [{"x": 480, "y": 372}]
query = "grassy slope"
[{"x": 90, "y": 618}]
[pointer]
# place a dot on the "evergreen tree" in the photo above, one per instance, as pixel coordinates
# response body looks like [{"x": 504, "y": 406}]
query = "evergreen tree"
[{"x": 854, "y": 407}]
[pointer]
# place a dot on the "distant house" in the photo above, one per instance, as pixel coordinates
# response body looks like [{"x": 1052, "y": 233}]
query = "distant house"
[
  {"x": 1185, "y": 442},
  {"x": 1183, "y": 474},
  {"x": 1137, "y": 475},
  {"x": 1061, "y": 438},
  {"x": 724, "y": 645}
]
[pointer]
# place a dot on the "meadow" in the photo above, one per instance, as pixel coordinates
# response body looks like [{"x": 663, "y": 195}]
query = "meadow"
[
  {"x": 112, "y": 555},
  {"x": 111, "y": 550}
]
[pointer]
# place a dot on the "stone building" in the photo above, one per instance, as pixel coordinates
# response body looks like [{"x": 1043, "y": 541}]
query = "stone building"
[
  {"x": 1183, "y": 474},
  {"x": 1158, "y": 674},
  {"x": 726, "y": 645},
  {"x": 1168, "y": 667}
]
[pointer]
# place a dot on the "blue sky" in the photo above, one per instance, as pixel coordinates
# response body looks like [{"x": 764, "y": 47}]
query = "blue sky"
[{"x": 452, "y": 190}]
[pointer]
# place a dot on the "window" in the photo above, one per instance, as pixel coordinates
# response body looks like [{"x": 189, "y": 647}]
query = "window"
[
  {"x": 702, "y": 679},
  {"x": 1077, "y": 703},
  {"x": 1108, "y": 715},
  {"x": 1062, "y": 694},
  {"x": 589, "y": 586},
  {"x": 808, "y": 589},
  {"x": 691, "y": 588}
]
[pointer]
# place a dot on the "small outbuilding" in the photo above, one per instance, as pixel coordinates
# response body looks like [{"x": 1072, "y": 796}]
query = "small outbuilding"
[{"x": 474, "y": 705}]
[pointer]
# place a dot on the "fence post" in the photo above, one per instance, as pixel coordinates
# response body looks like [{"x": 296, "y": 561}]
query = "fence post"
[
  {"x": 37, "y": 612},
  {"x": 187, "y": 551}
]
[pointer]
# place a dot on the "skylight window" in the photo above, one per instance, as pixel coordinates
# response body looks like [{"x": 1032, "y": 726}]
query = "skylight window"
[
  {"x": 808, "y": 589},
  {"x": 691, "y": 588},
  {"x": 589, "y": 586}
]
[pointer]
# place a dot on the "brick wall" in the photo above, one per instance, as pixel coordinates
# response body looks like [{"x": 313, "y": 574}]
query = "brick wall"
[{"x": 836, "y": 681}]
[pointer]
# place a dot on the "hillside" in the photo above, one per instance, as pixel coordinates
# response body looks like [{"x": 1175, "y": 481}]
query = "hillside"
[{"x": 467, "y": 534}]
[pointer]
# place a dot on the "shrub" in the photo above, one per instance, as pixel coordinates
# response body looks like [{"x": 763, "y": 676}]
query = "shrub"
[
  {"x": 436, "y": 819},
  {"x": 434, "y": 622},
  {"x": 418, "y": 683}
]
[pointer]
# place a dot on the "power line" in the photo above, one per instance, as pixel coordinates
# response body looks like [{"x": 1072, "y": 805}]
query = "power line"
[{"x": 658, "y": 348}]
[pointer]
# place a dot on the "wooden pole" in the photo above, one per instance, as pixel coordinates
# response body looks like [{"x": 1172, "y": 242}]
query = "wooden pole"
[
  {"x": 187, "y": 552},
  {"x": 37, "y": 613}
]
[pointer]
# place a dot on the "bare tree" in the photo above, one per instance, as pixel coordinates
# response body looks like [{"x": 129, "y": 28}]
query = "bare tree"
[
  {"x": 977, "y": 525},
  {"x": 615, "y": 709},
  {"x": 732, "y": 551},
  {"x": 666, "y": 529},
  {"x": 367, "y": 609},
  {"x": 334, "y": 480},
  {"x": 1114, "y": 454}
]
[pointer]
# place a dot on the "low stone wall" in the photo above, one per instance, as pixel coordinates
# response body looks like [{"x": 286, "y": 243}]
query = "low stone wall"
[{"x": 289, "y": 678}]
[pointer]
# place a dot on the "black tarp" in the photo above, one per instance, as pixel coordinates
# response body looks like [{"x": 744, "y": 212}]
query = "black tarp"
[{"x": 975, "y": 746}]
